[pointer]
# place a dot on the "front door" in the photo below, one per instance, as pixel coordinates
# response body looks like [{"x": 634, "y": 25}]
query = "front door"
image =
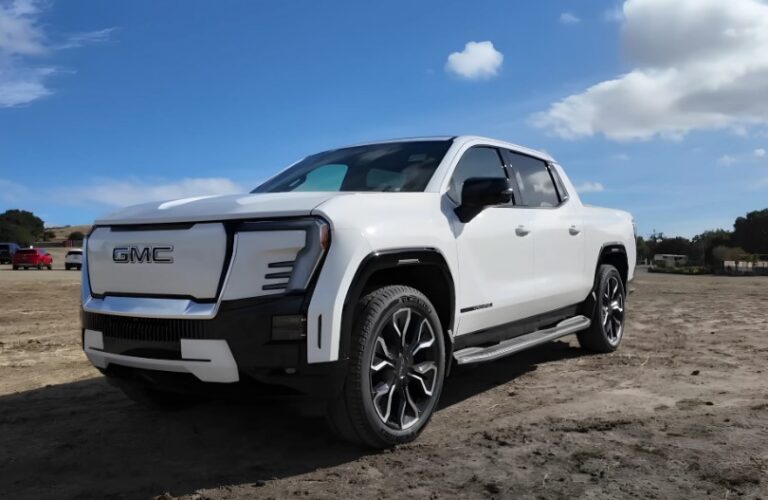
[{"x": 495, "y": 252}]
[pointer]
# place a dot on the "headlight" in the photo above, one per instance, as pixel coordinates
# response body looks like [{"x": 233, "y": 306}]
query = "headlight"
[{"x": 300, "y": 270}]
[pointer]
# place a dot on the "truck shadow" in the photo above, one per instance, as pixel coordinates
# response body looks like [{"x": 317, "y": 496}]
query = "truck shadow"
[{"x": 85, "y": 440}]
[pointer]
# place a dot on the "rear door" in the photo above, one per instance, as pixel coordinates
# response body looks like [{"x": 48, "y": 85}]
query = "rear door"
[
  {"x": 495, "y": 254},
  {"x": 557, "y": 231}
]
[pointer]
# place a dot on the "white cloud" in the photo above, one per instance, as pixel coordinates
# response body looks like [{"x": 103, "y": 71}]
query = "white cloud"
[
  {"x": 726, "y": 160},
  {"x": 120, "y": 193},
  {"x": 699, "y": 64},
  {"x": 590, "y": 187},
  {"x": 620, "y": 157},
  {"x": 478, "y": 60},
  {"x": 569, "y": 18},
  {"x": 759, "y": 152},
  {"x": 81, "y": 39},
  {"x": 22, "y": 39}
]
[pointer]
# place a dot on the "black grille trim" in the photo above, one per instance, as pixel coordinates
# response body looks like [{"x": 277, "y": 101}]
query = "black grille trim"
[{"x": 146, "y": 329}]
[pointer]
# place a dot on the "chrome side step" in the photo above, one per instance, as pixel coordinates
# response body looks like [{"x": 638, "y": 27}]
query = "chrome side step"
[{"x": 517, "y": 344}]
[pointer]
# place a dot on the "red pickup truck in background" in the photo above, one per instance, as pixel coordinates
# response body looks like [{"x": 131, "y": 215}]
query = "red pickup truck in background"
[{"x": 32, "y": 257}]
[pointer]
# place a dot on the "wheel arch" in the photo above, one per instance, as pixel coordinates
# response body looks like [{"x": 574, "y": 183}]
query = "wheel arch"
[
  {"x": 615, "y": 254},
  {"x": 424, "y": 269}
]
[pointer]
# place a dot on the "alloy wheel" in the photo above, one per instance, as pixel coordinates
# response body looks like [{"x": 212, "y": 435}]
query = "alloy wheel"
[
  {"x": 404, "y": 369},
  {"x": 613, "y": 310}
]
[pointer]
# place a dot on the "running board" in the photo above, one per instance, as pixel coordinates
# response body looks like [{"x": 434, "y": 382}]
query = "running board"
[{"x": 517, "y": 344}]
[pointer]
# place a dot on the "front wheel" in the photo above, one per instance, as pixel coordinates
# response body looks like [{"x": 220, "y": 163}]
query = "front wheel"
[
  {"x": 396, "y": 369},
  {"x": 607, "y": 328}
]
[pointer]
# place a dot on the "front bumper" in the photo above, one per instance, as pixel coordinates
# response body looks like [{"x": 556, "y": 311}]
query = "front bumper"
[{"x": 245, "y": 340}]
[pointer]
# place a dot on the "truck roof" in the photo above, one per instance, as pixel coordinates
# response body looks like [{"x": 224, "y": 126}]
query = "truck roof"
[{"x": 463, "y": 138}]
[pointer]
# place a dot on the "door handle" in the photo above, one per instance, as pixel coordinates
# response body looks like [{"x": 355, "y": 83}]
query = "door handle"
[
  {"x": 522, "y": 231},
  {"x": 574, "y": 230}
]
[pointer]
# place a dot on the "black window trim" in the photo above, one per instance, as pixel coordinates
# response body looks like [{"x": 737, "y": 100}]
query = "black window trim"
[{"x": 507, "y": 153}]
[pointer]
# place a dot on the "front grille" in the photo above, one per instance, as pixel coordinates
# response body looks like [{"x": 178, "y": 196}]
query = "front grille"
[{"x": 146, "y": 329}]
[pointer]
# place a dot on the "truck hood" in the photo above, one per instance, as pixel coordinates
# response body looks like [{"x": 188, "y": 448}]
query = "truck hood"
[{"x": 212, "y": 208}]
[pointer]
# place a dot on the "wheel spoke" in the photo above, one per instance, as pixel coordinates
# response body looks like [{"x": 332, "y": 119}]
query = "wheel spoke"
[
  {"x": 420, "y": 344},
  {"x": 381, "y": 365},
  {"x": 381, "y": 344},
  {"x": 402, "y": 316},
  {"x": 382, "y": 390},
  {"x": 421, "y": 371},
  {"x": 416, "y": 412}
]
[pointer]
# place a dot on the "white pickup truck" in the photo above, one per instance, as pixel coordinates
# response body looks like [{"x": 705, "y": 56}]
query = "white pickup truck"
[{"x": 356, "y": 277}]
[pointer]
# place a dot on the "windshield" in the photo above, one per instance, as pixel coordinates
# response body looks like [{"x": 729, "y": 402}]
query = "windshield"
[{"x": 393, "y": 166}]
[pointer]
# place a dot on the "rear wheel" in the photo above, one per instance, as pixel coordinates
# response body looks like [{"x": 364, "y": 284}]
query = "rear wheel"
[
  {"x": 607, "y": 328},
  {"x": 67, "y": 267},
  {"x": 49, "y": 266},
  {"x": 39, "y": 267},
  {"x": 396, "y": 369}
]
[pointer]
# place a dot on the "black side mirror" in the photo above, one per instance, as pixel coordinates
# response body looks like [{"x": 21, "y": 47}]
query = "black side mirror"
[{"x": 478, "y": 193}]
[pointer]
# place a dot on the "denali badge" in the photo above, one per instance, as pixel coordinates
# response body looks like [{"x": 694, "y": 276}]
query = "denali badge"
[{"x": 138, "y": 255}]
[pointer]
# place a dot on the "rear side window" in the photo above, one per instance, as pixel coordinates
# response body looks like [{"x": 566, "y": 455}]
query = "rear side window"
[
  {"x": 26, "y": 252},
  {"x": 537, "y": 188},
  {"x": 476, "y": 162}
]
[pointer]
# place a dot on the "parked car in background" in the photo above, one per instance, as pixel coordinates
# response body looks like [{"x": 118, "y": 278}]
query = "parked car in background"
[
  {"x": 74, "y": 259},
  {"x": 32, "y": 257},
  {"x": 6, "y": 252}
]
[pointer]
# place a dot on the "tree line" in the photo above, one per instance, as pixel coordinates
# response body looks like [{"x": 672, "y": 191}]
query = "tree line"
[
  {"x": 749, "y": 238},
  {"x": 25, "y": 228}
]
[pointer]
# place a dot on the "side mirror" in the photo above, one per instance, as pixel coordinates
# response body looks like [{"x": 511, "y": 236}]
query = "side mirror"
[{"x": 478, "y": 193}]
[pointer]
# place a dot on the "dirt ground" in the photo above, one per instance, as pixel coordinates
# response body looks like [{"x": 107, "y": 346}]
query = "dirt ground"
[{"x": 680, "y": 411}]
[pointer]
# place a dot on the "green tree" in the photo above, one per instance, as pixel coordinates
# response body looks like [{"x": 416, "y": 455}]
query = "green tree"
[
  {"x": 751, "y": 232},
  {"x": 21, "y": 227},
  {"x": 76, "y": 236},
  {"x": 676, "y": 246},
  {"x": 643, "y": 250},
  {"x": 707, "y": 241}
]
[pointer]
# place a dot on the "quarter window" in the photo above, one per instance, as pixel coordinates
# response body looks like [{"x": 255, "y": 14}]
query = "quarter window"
[
  {"x": 535, "y": 181},
  {"x": 476, "y": 162}
]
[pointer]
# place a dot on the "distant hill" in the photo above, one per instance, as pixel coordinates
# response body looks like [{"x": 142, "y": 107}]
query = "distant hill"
[{"x": 61, "y": 233}]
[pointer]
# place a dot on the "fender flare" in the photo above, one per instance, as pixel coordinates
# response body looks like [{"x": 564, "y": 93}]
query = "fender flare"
[{"x": 392, "y": 259}]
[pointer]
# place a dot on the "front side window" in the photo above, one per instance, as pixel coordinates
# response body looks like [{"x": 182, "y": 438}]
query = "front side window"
[
  {"x": 536, "y": 186},
  {"x": 395, "y": 166},
  {"x": 476, "y": 162}
]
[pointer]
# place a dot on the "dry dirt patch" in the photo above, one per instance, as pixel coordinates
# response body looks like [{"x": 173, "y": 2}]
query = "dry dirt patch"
[{"x": 681, "y": 411}]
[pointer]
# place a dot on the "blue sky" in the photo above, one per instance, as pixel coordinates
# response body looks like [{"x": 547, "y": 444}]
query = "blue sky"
[{"x": 652, "y": 106}]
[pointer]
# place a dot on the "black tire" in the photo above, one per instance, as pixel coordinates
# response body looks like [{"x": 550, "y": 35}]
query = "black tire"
[
  {"x": 79, "y": 267},
  {"x": 15, "y": 268},
  {"x": 407, "y": 370},
  {"x": 608, "y": 312},
  {"x": 49, "y": 266}
]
